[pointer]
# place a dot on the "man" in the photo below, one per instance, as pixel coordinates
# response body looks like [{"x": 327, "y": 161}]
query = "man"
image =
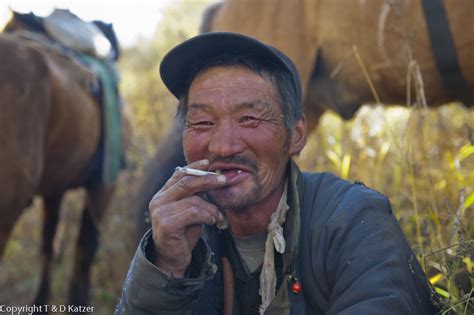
[{"x": 296, "y": 243}]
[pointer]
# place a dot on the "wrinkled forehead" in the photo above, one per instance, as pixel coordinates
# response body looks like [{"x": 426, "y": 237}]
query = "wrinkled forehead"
[
  {"x": 237, "y": 84},
  {"x": 259, "y": 68},
  {"x": 233, "y": 72}
]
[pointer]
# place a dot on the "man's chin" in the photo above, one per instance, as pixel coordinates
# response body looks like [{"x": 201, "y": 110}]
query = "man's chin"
[
  {"x": 226, "y": 199},
  {"x": 228, "y": 203}
]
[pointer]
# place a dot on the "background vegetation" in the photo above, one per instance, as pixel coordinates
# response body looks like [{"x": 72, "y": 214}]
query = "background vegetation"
[{"x": 422, "y": 159}]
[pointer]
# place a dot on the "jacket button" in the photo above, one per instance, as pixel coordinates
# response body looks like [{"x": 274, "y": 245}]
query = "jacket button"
[{"x": 296, "y": 287}]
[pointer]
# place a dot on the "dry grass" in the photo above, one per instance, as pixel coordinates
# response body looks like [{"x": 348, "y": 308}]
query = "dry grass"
[{"x": 422, "y": 160}]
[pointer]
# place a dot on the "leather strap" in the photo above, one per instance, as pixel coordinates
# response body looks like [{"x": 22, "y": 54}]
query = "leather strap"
[
  {"x": 228, "y": 276},
  {"x": 442, "y": 45}
]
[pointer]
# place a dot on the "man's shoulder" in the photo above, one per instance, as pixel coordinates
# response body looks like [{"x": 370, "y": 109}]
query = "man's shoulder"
[
  {"x": 326, "y": 185},
  {"x": 330, "y": 196}
]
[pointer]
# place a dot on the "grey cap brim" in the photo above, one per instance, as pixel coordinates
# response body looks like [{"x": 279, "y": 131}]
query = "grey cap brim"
[{"x": 178, "y": 64}]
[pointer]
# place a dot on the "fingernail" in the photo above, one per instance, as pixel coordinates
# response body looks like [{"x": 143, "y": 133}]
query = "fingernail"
[
  {"x": 203, "y": 162},
  {"x": 221, "y": 179}
]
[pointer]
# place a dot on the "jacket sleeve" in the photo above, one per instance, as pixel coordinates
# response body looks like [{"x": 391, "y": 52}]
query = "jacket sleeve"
[
  {"x": 148, "y": 290},
  {"x": 369, "y": 262}
]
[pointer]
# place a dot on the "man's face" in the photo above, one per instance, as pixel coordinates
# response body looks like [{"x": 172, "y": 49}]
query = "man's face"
[{"x": 234, "y": 119}]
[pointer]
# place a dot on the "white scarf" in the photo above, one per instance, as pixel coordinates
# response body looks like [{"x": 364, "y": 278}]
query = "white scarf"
[{"x": 275, "y": 239}]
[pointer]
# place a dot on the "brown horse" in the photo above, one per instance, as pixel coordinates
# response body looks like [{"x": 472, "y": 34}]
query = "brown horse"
[
  {"x": 50, "y": 139},
  {"x": 348, "y": 52},
  {"x": 353, "y": 52}
]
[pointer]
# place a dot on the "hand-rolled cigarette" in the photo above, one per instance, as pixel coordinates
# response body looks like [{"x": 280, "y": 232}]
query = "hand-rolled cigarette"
[{"x": 191, "y": 171}]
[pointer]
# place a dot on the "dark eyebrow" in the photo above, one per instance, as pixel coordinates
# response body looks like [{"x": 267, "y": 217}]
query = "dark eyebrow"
[
  {"x": 197, "y": 106},
  {"x": 245, "y": 105},
  {"x": 259, "y": 105}
]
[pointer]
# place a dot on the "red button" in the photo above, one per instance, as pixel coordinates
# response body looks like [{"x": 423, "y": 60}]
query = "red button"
[{"x": 296, "y": 287}]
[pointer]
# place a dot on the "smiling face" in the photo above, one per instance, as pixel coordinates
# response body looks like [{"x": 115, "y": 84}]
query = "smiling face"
[{"x": 235, "y": 120}]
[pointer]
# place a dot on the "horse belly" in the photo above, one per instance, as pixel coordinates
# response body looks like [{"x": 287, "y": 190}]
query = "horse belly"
[
  {"x": 24, "y": 106},
  {"x": 73, "y": 134},
  {"x": 25, "y": 100},
  {"x": 386, "y": 37}
]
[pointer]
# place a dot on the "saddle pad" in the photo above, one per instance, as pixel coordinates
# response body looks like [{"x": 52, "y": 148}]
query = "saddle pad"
[
  {"x": 111, "y": 110},
  {"x": 77, "y": 34}
]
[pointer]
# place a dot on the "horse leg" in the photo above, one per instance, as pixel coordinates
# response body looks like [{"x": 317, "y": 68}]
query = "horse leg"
[
  {"x": 6, "y": 226},
  {"x": 98, "y": 198},
  {"x": 51, "y": 216}
]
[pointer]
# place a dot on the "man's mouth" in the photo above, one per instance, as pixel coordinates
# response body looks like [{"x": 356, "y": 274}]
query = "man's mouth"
[
  {"x": 229, "y": 172},
  {"x": 232, "y": 172}
]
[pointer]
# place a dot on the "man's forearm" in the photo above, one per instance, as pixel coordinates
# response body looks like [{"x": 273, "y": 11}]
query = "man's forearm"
[{"x": 150, "y": 290}]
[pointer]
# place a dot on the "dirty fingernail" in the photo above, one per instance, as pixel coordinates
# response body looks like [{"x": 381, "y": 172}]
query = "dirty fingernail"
[
  {"x": 220, "y": 216},
  {"x": 221, "y": 179},
  {"x": 203, "y": 162}
]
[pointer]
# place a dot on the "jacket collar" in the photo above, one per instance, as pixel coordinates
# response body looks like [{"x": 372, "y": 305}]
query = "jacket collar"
[{"x": 293, "y": 222}]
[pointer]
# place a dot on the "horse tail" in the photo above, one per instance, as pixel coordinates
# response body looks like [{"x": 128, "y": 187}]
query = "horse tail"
[{"x": 208, "y": 17}]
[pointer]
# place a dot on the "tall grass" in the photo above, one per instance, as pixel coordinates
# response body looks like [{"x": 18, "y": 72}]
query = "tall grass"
[{"x": 423, "y": 160}]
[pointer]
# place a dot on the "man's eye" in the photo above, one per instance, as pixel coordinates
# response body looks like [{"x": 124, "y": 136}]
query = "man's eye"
[
  {"x": 204, "y": 123},
  {"x": 249, "y": 121},
  {"x": 200, "y": 124},
  {"x": 247, "y": 118}
]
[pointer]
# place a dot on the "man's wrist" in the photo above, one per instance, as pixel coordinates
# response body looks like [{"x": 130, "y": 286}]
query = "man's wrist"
[
  {"x": 170, "y": 269},
  {"x": 152, "y": 255}
]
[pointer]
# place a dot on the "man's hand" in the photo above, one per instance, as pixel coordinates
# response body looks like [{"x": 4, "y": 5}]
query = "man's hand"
[{"x": 177, "y": 214}]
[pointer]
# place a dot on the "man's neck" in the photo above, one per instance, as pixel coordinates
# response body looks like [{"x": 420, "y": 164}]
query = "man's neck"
[{"x": 256, "y": 218}]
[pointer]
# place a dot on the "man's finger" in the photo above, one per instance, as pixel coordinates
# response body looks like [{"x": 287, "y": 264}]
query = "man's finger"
[
  {"x": 198, "y": 165},
  {"x": 174, "y": 218},
  {"x": 183, "y": 186}
]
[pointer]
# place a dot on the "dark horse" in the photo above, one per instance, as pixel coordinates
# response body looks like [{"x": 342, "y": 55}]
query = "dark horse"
[
  {"x": 348, "y": 53},
  {"x": 50, "y": 139}
]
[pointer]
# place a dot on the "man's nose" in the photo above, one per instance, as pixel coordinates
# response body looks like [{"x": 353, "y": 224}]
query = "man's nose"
[{"x": 225, "y": 141}]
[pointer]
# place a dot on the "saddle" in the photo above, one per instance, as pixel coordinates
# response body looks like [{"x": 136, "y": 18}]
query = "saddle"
[{"x": 93, "y": 68}]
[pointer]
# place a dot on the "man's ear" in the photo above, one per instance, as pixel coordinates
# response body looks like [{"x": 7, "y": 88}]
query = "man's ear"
[{"x": 298, "y": 136}]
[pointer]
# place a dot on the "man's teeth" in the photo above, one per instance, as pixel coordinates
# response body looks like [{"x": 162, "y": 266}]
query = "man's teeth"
[{"x": 219, "y": 172}]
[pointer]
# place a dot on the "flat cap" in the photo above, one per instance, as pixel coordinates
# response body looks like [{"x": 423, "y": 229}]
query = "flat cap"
[{"x": 181, "y": 61}]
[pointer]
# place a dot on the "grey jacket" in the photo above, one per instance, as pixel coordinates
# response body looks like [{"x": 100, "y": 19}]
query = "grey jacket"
[{"x": 343, "y": 244}]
